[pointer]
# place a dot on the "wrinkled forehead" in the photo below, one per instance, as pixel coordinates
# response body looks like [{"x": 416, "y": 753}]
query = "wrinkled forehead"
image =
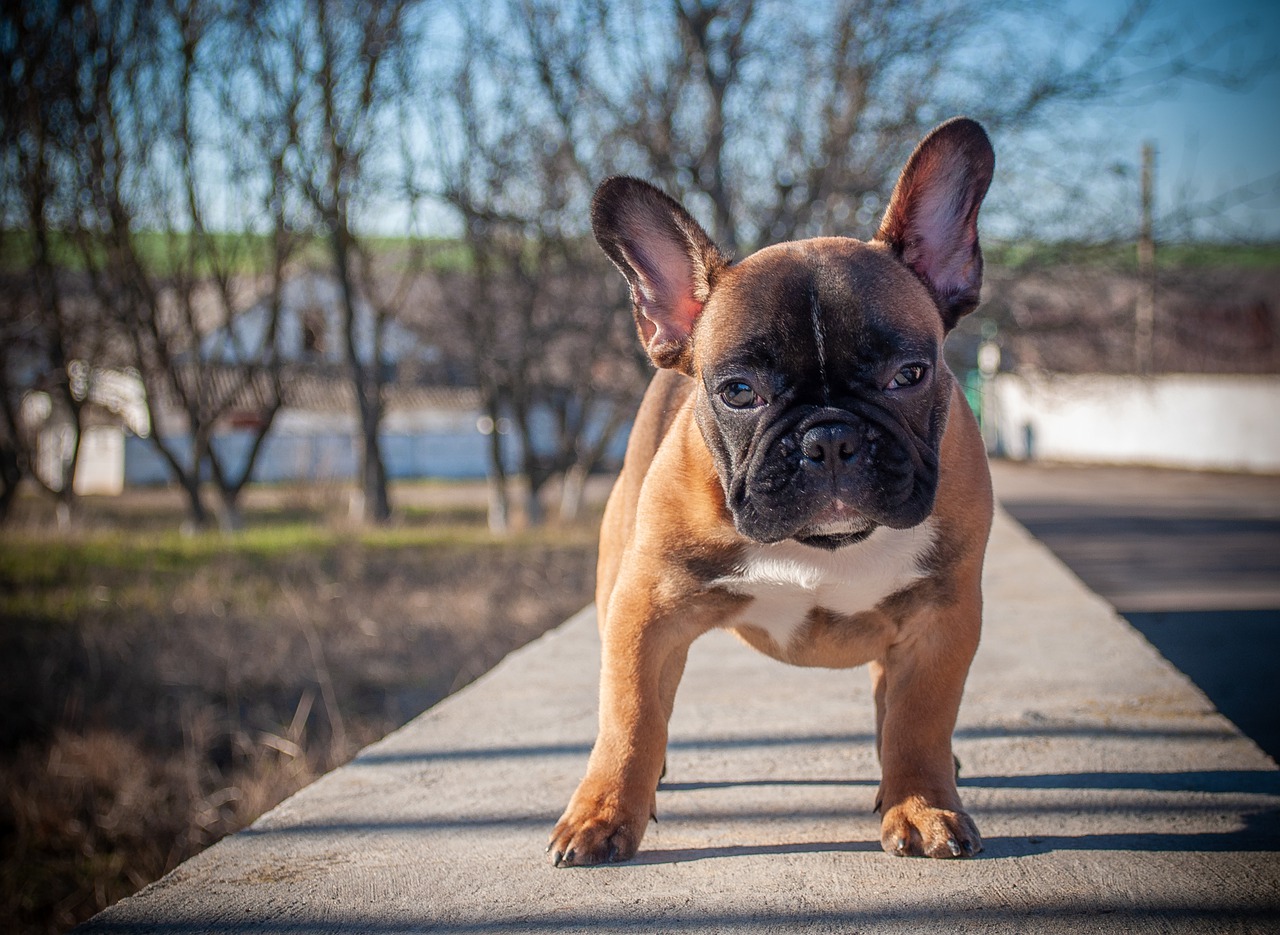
[{"x": 857, "y": 295}]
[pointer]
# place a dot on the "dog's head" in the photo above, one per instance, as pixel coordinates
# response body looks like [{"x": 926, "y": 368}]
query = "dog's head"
[{"x": 822, "y": 391}]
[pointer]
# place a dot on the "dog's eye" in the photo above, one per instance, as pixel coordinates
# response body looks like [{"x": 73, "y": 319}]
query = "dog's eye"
[
  {"x": 909, "y": 375},
  {"x": 738, "y": 395}
]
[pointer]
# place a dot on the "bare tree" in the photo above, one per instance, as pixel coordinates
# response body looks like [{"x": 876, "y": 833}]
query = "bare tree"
[
  {"x": 146, "y": 130},
  {"x": 348, "y": 71},
  {"x": 127, "y": 103},
  {"x": 39, "y": 51},
  {"x": 199, "y": 343},
  {"x": 18, "y": 349},
  {"x": 550, "y": 348}
]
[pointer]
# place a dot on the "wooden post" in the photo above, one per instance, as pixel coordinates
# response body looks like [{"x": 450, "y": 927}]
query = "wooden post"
[{"x": 1145, "y": 311}]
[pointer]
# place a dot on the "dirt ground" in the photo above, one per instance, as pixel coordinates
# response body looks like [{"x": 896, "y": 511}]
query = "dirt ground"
[{"x": 159, "y": 691}]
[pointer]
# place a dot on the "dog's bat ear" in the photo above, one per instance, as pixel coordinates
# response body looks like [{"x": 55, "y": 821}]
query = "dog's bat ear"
[
  {"x": 932, "y": 219},
  {"x": 668, "y": 260}
]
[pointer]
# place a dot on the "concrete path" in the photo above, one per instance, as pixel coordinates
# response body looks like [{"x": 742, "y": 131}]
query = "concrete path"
[
  {"x": 1111, "y": 795},
  {"x": 1154, "y": 540},
  {"x": 1191, "y": 559}
]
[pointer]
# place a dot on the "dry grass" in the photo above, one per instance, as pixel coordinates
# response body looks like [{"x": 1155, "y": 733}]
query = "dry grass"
[{"x": 158, "y": 692}]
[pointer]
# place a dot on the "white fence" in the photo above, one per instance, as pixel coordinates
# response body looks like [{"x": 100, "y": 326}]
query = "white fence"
[{"x": 1205, "y": 422}]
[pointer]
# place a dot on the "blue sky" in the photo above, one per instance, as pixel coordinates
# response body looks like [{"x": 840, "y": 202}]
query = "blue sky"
[{"x": 1211, "y": 140}]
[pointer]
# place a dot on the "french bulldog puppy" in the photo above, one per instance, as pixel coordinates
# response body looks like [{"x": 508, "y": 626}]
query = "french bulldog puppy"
[{"x": 804, "y": 472}]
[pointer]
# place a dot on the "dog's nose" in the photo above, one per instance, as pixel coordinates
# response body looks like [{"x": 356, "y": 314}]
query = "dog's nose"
[{"x": 831, "y": 443}]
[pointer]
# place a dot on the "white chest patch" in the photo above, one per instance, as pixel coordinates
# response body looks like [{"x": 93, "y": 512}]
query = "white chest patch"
[{"x": 787, "y": 580}]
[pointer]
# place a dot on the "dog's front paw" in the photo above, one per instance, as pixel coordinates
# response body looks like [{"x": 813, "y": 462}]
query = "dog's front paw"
[
  {"x": 913, "y": 828},
  {"x": 594, "y": 830}
]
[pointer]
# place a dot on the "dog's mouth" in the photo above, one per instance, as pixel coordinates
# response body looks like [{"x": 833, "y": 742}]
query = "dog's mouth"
[
  {"x": 835, "y": 527},
  {"x": 831, "y": 542}
]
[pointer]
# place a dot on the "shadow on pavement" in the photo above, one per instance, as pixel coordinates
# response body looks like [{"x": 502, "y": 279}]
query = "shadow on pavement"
[{"x": 1231, "y": 655}]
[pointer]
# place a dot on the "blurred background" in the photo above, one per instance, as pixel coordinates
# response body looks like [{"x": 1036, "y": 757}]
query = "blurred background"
[{"x": 313, "y": 379}]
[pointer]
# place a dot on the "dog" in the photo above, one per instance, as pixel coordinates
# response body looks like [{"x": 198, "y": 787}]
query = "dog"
[{"x": 803, "y": 471}]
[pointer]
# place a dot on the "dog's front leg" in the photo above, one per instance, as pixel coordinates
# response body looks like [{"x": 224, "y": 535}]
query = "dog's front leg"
[
  {"x": 642, "y": 657},
  {"x": 918, "y": 686}
]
